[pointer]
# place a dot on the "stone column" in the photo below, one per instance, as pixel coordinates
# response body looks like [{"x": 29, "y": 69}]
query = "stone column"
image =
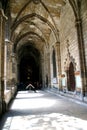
[
  {"x": 46, "y": 68},
  {"x": 0, "y": 58},
  {"x": 82, "y": 56},
  {"x": 2, "y": 34},
  {"x": 10, "y": 66},
  {"x": 14, "y": 67},
  {"x": 58, "y": 64},
  {"x": 42, "y": 69},
  {"x": 51, "y": 67},
  {"x": 7, "y": 63},
  {"x": 45, "y": 72},
  {"x": 14, "y": 74},
  {"x": 5, "y": 66},
  {"x": 49, "y": 71}
]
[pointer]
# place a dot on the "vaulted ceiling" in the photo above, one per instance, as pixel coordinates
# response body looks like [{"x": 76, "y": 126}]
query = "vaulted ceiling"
[{"x": 34, "y": 21}]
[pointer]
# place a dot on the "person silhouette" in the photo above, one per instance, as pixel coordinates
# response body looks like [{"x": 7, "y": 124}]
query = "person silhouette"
[{"x": 30, "y": 87}]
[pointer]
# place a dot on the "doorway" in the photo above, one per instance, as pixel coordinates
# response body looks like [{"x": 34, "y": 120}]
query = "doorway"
[
  {"x": 29, "y": 67},
  {"x": 71, "y": 78}
]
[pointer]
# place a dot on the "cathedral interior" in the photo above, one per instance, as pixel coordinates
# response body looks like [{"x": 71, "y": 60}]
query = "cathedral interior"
[{"x": 43, "y": 42}]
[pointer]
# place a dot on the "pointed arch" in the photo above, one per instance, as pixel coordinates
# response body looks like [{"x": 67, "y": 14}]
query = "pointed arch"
[
  {"x": 76, "y": 7},
  {"x": 71, "y": 78},
  {"x": 24, "y": 35},
  {"x": 44, "y": 8},
  {"x": 37, "y": 16},
  {"x": 54, "y": 63},
  {"x": 20, "y": 12}
]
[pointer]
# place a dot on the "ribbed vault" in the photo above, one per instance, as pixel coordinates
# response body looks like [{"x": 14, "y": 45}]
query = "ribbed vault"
[{"x": 36, "y": 15}]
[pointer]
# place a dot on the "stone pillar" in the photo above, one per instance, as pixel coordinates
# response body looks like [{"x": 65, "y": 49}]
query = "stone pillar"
[
  {"x": 46, "y": 68},
  {"x": 14, "y": 74},
  {"x": 82, "y": 56},
  {"x": 8, "y": 64},
  {"x": 14, "y": 68},
  {"x": 0, "y": 59},
  {"x": 51, "y": 67},
  {"x": 5, "y": 66},
  {"x": 2, "y": 34},
  {"x": 7, "y": 55},
  {"x": 58, "y": 64},
  {"x": 42, "y": 68},
  {"x": 49, "y": 71},
  {"x": 45, "y": 72}
]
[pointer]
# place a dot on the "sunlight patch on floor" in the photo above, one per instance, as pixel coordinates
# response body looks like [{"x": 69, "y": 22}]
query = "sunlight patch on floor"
[
  {"x": 53, "y": 121},
  {"x": 25, "y": 114},
  {"x": 29, "y": 100},
  {"x": 25, "y": 94},
  {"x": 32, "y": 103}
]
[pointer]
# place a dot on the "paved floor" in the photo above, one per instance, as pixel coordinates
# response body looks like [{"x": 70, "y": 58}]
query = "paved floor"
[{"x": 44, "y": 111}]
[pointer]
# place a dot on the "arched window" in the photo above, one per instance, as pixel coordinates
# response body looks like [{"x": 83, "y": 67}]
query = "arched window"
[{"x": 54, "y": 64}]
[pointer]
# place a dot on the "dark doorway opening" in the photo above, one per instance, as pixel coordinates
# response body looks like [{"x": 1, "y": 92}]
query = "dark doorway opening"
[
  {"x": 71, "y": 78},
  {"x": 29, "y": 67}
]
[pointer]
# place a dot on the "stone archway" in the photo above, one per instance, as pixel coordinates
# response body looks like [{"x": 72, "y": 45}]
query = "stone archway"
[
  {"x": 29, "y": 65},
  {"x": 71, "y": 78}
]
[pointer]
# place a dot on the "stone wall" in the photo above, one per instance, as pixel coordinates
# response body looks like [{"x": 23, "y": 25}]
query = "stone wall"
[
  {"x": 68, "y": 32},
  {"x": 84, "y": 25},
  {"x": 68, "y": 38}
]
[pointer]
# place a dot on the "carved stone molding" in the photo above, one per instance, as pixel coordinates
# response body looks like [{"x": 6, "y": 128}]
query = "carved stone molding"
[{"x": 69, "y": 58}]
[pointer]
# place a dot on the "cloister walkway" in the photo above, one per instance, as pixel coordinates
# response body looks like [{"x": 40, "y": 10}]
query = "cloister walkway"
[{"x": 44, "y": 111}]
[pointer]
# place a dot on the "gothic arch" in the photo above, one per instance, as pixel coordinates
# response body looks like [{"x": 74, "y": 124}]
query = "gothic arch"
[
  {"x": 54, "y": 63},
  {"x": 67, "y": 62},
  {"x": 76, "y": 7},
  {"x": 39, "y": 17},
  {"x": 71, "y": 78},
  {"x": 36, "y": 2},
  {"x": 70, "y": 68},
  {"x": 24, "y": 35}
]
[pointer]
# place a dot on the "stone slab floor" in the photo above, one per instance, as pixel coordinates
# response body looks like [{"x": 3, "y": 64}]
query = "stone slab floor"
[{"x": 44, "y": 111}]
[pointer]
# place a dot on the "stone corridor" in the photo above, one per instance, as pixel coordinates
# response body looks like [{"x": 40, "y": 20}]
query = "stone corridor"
[
  {"x": 44, "y": 111},
  {"x": 44, "y": 43}
]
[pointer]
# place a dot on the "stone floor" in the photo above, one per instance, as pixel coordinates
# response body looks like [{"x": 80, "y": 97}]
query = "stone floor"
[{"x": 44, "y": 111}]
